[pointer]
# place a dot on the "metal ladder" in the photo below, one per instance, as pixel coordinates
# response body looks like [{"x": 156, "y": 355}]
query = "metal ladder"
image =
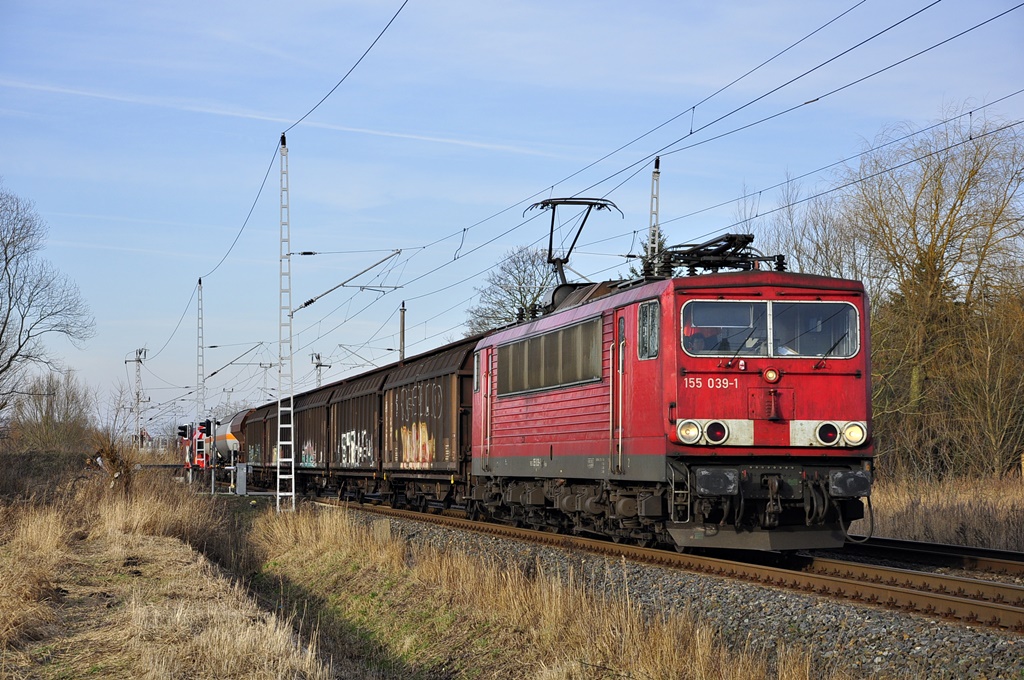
[
  {"x": 285, "y": 381},
  {"x": 680, "y": 497}
]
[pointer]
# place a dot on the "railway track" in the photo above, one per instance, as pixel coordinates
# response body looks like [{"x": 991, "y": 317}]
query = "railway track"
[
  {"x": 939, "y": 554},
  {"x": 971, "y": 601}
]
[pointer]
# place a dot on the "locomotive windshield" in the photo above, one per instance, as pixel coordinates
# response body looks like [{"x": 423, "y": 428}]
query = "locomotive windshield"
[{"x": 798, "y": 329}]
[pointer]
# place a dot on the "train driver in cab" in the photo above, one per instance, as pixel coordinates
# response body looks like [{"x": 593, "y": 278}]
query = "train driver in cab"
[{"x": 701, "y": 339}]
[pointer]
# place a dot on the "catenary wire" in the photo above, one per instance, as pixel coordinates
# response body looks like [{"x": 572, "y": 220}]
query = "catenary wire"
[
  {"x": 850, "y": 84},
  {"x": 495, "y": 215}
]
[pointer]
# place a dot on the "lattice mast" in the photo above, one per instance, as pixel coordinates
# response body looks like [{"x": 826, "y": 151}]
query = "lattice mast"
[
  {"x": 654, "y": 235},
  {"x": 200, "y": 442},
  {"x": 285, "y": 381},
  {"x": 140, "y": 356}
]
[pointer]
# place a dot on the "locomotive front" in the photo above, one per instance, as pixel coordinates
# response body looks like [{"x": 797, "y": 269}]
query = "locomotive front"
[{"x": 768, "y": 401}]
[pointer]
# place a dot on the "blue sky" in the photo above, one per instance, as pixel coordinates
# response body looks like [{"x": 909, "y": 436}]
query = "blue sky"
[{"x": 143, "y": 132}]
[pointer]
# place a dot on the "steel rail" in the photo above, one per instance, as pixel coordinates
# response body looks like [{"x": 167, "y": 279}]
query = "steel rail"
[
  {"x": 975, "y": 589},
  {"x": 962, "y": 557},
  {"x": 999, "y": 607}
]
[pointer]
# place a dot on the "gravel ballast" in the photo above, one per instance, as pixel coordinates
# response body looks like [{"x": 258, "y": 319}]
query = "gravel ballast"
[{"x": 865, "y": 641}]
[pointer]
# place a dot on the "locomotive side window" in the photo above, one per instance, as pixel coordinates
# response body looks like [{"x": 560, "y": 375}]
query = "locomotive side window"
[
  {"x": 649, "y": 324},
  {"x": 476, "y": 371},
  {"x": 741, "y": 328},
  {"x": 567, "y": 356}
]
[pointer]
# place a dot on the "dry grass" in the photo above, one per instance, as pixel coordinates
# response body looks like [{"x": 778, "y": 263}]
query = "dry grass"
[
  {"x": 199, "y": 624},
  {"x": 33, "y": 546},
  {"x": 440, "y": 614},
  {"x": 104, "y": 586},
  {"x": 980, "y": 512},
  {"x": 156, "y": 506},
  {"x": 111, "y": 582}
]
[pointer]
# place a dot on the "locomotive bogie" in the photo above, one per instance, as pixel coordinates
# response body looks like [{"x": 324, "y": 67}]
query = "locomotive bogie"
[
  {"x": 745, "y": 505},
  {"x": 582, "y": 507}
]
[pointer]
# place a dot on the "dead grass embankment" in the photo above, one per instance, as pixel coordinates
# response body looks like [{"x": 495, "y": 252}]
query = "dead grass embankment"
[
  {"x": 426, "y": 613},
  {"x": 97, "y": 581},
  {"x": 107, "y": 577},
  {"x": 980, "y": 512}
]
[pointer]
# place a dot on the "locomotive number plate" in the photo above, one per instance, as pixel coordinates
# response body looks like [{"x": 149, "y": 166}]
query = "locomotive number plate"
[{"x": 695, "y": 383}]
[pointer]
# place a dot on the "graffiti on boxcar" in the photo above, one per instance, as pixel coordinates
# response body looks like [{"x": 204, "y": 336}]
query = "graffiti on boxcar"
[
  {"x": 355, "y": 449},
  {"x": 420, "y": 401},
  {"x": 308, "y": 458},
  {"x": 417, "y": 446}
]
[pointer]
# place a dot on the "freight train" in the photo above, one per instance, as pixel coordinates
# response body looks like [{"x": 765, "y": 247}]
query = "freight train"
[{"x": 728, "y": 409}]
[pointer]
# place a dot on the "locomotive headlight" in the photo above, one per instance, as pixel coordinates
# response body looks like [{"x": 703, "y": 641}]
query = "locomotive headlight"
[
  {"x": 854, "y": 433},
  {"x": 771, "y": 375},
  {"x": 827, "y": 433},
  {"x": 689, "y": 431},
  {"x": 716, "y": 432}
]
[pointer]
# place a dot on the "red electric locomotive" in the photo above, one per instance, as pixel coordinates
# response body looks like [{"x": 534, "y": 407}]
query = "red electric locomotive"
[{"x": 723, "y": 410}]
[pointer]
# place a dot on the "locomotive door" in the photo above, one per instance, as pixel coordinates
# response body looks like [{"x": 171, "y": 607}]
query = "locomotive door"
[
  {"x": 637, "y": 403},
  {"x": 618, "y": 390}
]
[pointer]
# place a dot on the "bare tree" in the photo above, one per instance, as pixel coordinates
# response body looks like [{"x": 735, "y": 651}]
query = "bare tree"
[
  {"x": 53, "y": 414},
  {"x": 944, "y": 212},
  {"x": 817, "y": 238},
  {"x": 933, "y": 223},
  {"x": 516, "y": 286},
  {"x": 35, "y": 299},
  {"x": 114, "y": 452},
  {"x": 989, "y": 400}
]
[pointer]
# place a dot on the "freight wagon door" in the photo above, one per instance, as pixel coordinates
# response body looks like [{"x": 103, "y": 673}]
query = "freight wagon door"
[{"x": 422, "y": 404}]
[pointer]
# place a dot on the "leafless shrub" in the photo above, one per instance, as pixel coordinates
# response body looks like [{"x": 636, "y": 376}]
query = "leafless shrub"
[{"x": 984, "y": 512}]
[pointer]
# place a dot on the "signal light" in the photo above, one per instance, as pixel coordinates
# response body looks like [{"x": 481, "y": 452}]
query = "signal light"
[
  {"x": 207, "y": 429},
  {"x": 716, "y": 432},
  {"x": 183, "y": 431},
  {"x": 828, "y": 434}
]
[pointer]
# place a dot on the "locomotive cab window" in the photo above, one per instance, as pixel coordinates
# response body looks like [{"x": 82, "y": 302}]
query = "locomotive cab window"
[
  {"x": 717, "y": 327},
  {"x": 648, "y": 331},
  {"x": 780, "y": 329},
  {"x": 814, "y": 329}
]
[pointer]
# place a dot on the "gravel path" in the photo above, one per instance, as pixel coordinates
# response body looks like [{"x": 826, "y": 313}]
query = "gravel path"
[{"x": 865, "y": 641}]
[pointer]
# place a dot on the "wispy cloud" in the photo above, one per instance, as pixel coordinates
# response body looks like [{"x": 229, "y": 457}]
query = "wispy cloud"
[{"x": 227, "y": 112}]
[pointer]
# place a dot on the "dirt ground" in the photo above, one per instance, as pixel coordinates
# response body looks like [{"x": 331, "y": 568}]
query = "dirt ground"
[{"x": 146, "y": 606}]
